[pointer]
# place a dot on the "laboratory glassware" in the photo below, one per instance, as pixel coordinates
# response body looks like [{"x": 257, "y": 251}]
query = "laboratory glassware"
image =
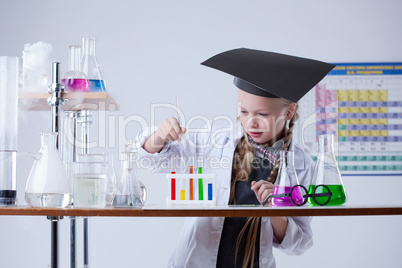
[
  {"x": 68, "y": 138},
  {"x": 48, "y": 184},
  {"x": 90, "y": 66},
  {"x": 107, "y": 159},
  {"x": 130, "y": 191},
  {"x": 74, "y": 80},
  {"x": 326, "y": 173},
  {"x": 173, "y": 180},
  {"x": 285, "y": 181},
  {"x": 8, "y": 129},
  {"x": 89, "y": 184}
]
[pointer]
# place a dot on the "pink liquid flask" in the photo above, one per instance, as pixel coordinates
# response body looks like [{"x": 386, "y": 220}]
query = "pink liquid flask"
[
  {"x": 75, "y": 84},
  {"x": 287, "y": 178}
]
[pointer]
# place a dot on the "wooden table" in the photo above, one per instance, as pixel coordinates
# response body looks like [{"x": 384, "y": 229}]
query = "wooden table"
[
  {"x": 56, "y": 214},
  {"x": 219, "y": 211}
]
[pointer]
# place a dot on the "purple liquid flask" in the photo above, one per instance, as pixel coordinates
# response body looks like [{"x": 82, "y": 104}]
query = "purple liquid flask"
[
  {"x": 286, "y": 179},
  {"x": 74, "y": 80}
]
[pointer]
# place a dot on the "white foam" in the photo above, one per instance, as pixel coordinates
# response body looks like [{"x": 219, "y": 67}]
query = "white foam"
[{"x": 36, "y": 66}]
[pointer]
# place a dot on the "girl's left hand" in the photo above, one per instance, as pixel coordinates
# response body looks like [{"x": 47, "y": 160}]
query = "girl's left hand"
[{"x": 262, "y": 189}]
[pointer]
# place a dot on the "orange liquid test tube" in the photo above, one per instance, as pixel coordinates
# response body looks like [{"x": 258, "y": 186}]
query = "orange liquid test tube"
[{"x": 191, "y": 183}]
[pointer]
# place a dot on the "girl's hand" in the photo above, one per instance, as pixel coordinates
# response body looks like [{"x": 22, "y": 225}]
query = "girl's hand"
[
  {"x": 262, "y": 189},
  {"x": 170, "y": 130}
]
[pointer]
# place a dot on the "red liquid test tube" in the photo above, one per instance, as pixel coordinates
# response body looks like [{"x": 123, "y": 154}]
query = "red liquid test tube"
[{"x": 173, "y": 187}]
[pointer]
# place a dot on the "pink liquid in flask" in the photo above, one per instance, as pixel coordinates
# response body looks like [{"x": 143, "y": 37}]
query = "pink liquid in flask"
[
  {"x": 75, "y": 84},
  {"x": 286, "y": 201}
]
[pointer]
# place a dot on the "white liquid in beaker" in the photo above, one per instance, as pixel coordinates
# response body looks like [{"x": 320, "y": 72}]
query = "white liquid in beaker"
[
  {"x": 45, "y": 200},
  {"x": 89, "y": 190}
]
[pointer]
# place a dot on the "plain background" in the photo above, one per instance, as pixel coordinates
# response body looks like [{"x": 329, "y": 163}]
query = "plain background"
[{"x": 150, "y": 52}]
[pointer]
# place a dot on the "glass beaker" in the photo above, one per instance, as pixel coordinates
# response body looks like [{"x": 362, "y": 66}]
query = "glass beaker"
[
  {"x": 286, "y": 179},
  {"x": 89, "y": 184},
  {"x": 130, "y": 191},
  {"x": 74, "y": 80},
  {"x": 8, "y": 129},
  {"x": 327, "y": 173},
  {"x": 90, "y": 66},
  {"x": 48, "y": 184},
  {"x": 106, "y": 158}
]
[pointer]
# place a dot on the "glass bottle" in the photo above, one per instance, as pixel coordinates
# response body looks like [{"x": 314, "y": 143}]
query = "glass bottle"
[
  {"x": 327, "y": 173},
  {"x": 8, "y": 129},
  {"x": 89, "y": 181},
  {"x": 286, "y": 179},
  {"x": 74, "y": 80},
  {"x": 90, "y": 66},
  {"x": 107, "y": 159},
  {"x": 130, "y": 191},
  {"x": 48, "y": 184}
]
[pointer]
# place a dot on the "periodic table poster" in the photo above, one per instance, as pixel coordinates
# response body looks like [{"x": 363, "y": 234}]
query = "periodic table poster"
[{"x": 361, "y": 105}]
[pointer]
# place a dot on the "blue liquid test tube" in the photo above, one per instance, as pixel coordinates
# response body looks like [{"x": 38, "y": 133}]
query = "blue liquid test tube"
[{"x": 210, "y": 194}]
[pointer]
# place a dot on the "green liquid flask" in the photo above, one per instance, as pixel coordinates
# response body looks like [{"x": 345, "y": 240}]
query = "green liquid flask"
[{"x": 326, "y": 176}]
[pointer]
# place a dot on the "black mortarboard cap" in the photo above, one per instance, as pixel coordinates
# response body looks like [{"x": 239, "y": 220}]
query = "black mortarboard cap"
[{"x": 270, "y": 74}]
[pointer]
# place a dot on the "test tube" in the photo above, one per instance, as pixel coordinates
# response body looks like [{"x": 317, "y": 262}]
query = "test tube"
[
  {"x": 191, "y": 171},
  {"x": 173, "y": 180},
  {"x": 210, "y": 193},
  {"x": 183, "y": 190},
  {"x": 180, "y": 161},
  {"x": 200, "y": 161}
]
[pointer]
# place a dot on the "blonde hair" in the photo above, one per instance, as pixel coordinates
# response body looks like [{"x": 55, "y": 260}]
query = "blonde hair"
[{"x": 241, "y": 169}]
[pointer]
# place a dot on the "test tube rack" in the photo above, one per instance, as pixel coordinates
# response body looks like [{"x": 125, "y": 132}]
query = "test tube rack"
[{"x": 191, "y": 190}]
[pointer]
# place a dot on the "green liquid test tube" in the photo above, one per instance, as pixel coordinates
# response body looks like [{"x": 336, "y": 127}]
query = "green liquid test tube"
[{"x": 200, "y": 186}]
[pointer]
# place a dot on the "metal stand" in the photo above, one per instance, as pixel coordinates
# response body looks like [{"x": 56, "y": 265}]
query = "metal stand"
[
  {"x": 55, "y": 101},
  {"x": 70, "y": 123},
  {"x": 54, "y": 257},
  {"x": 83, "y": 120}
]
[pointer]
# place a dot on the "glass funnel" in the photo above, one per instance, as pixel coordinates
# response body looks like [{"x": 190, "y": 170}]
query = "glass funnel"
[
  {"x": 130, "y": 191},
  {"x": 90, "y": 66},
  {"x": 48, "y": 184},
  {"x": 8, "y": 129},
  {"x": 326, "y": 173},
  {"x": 286, "y": 179},
  {"x": 74, "y": 80}
]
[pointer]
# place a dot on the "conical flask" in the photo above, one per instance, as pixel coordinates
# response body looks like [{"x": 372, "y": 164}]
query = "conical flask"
[
  {"x": 130, "y": 191},
  {"x": 90, "y": 66},
  {"x": 48, "y": 184},
  {"x": 286, "y": 179},
  {"x": 74, "y": 80},
  {"x": 326, "y": 176}
]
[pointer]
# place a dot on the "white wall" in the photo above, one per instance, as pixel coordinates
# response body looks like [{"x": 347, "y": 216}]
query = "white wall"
[{"x": 150, "y": 52}]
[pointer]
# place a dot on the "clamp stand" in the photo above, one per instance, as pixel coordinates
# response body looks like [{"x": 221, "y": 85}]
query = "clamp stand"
[{"x": 55, "y": 101}]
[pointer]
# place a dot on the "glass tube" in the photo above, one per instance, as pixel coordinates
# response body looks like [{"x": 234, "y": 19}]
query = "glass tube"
[{"x": 8, "y": 129}]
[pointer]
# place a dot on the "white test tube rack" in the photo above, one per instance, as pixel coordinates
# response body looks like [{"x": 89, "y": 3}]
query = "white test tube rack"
[{"x": 180, "y": 193}]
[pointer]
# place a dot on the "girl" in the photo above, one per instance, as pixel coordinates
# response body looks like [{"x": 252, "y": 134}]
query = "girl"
[{"x": 269, "y": 86}]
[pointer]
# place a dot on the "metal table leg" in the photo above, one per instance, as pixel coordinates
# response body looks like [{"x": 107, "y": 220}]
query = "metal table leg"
[
  {"x": 73, "y": 245},
  {"x": 54, "y": 250}
]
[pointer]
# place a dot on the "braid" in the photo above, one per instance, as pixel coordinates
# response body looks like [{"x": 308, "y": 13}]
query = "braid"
[
  {"x": 288, "y": 140},
  {"x": 241, "y": 169}
]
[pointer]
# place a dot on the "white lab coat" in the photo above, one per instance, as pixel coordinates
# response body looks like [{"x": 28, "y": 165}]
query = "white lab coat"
[{"x": 200, "y": 237}]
